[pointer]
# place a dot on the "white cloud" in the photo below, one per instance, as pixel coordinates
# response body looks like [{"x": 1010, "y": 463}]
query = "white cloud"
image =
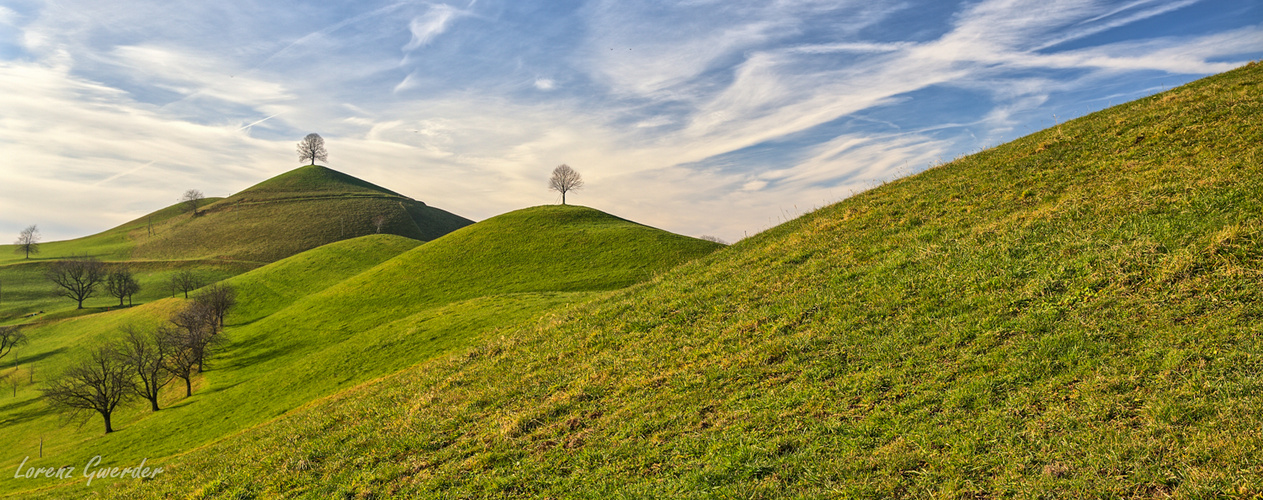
[
  {"x": 426, "y": 27},
  {"x": 408, "y": 82},
  {"x": 122, "y": 110},
  {"x": 7, "y": 16},
  {"x": 81, "y": 156}
]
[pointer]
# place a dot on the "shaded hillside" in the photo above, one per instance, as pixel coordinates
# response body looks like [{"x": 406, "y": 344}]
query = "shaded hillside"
[
  {"x": 295, "y": 211},
  {"x": 1072, "y": 314},
  {"x": 324, "y": 320}
]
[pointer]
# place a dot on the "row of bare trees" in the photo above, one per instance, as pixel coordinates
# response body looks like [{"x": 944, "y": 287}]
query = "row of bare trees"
[
  {"x": 81, "y": 279},
  {"x": 142, "y": 361}
]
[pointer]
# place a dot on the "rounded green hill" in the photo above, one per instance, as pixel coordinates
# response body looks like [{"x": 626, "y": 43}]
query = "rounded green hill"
[{"x": 292, "y": 212}]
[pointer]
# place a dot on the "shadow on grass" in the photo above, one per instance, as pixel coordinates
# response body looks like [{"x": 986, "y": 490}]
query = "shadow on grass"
[
  {"x": 25, "y": 410},
  {"x": 34, "y": 358}
]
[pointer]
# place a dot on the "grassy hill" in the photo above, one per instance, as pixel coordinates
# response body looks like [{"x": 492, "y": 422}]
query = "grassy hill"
[
  {"x": 282, "y": 216},
  {"x": 1072, "y": 314},
  {"x": 324, "y": 320},
  {"x": 295, "y": 211}
]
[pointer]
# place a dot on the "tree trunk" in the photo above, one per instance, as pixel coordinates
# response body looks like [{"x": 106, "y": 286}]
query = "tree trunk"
[
  {"x": 80, "y": 303},
  {"x": 108, "y": 428},
  {"x": 153, "y": 403},
  {"x": 563, "y": 197},
  {"x": 188, "y": 387}
]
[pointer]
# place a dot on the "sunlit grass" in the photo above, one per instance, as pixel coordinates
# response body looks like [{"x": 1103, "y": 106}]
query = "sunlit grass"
[
  {"x": 1073, "y": 314},
  {"x": 328, "y": 319}
]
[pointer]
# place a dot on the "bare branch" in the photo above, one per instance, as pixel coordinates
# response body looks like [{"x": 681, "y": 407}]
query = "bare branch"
[
  {"x": 147, "y": 357},
  {"x": 10, "y": 337},
  {"x": 121, "y": 283},
  {"x": 312, "y": 148},
  {"x": 98, "y": 384},
  {"x": 192, "y": 199},
  {"x": 76, "y": 279},
  {"x": 28, "y": 241},
  {"x": 565, "y": 179}
]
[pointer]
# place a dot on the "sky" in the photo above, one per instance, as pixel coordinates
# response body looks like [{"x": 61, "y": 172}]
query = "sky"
[{"x": 700, "y": 117}]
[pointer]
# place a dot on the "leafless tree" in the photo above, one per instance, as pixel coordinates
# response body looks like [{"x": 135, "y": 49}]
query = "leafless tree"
[
  {"x": 192, "y": 199},
  {"x": 379, "y": 221},
  {"x": 10, "y": 337},
  {"x": 713, "y": 239},
  {"x": 121, "y": 283},
  {"x": 185, "y": 281},
  {"x": 218, "y": 298},
  {"x": 199, "y": 329},
  {"x": 565, "y": 179},
  {"x": 147, "y": 358},
  {"x": 180, "y": 360},
  {"x": 312, "y": 148},
  {"x": 76, "y": 279},
  {"x": 28, "y": 241},
  {"x": 98, "y": 383}
]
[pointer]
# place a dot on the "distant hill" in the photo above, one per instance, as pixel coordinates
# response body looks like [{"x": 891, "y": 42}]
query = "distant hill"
[
  {"x": 295, "y": 211},
  {"x": 1073, "y": 314},
  {"x": 321, "y": 321},
  {"x": 279, "y": 217}
]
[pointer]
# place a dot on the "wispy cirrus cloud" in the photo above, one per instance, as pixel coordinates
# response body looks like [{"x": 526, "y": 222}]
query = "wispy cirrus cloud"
[
  {"x": 424, "y": 28},
  {"x": 715, "y": 117}
]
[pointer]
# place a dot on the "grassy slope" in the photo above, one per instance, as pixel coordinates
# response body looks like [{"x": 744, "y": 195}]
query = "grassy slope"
[
  {"x": 280, "y": 359},
  {"x": 112, "y": 244},
  {"x": 52, "y": 345},
  {"x": 26, "y": 291},
  {"x": 282, "y": 216},
  {"x": 1071, "y": 314},
  {"x": 292, "y": 212}
]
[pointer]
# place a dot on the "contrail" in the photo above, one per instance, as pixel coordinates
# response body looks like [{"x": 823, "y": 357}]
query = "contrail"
[
  {"x": 129, "y": 172},
  {"x": 258, "y": 122}
]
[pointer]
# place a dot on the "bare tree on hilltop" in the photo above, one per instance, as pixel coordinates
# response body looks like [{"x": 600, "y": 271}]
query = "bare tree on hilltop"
[
  {"x": 28, "y": 241},
  {"x": 565, "y": 179},
  {"x": 312, "y": 148},
  {"x": 192, "y": 199}
]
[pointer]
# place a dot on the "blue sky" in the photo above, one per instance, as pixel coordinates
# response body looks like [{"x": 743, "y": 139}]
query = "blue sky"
[{"x": 696, "y": 116}]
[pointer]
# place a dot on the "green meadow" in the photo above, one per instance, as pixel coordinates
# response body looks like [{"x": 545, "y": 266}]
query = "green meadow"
[
  {"x": 1074, "y": 314},
  {"x": 330, "y": 318},
  {"x": 279, "y": 217}
]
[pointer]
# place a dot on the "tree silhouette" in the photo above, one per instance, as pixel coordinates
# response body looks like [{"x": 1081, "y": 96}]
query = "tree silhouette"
[
  {"x": 565, "y": 179},
  {"x": 147, "y": 358},
  {"x": 121, "y": 283},
  {"x": 76, "y": 279},
  {"x": 28, "y": 241},
  {"x": 192, "y": 199},
  {"x": 312, "y": 148},
  {"x": 10, "y": 337},
  {"x": 98, "y": 383}
]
